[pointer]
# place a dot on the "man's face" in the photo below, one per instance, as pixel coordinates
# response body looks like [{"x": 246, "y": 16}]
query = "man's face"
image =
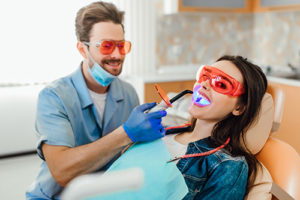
[{"x": 113, "y": 62}]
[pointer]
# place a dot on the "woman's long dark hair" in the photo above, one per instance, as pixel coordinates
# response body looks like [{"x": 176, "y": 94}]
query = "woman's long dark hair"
[{"x": 235, "y": 127}]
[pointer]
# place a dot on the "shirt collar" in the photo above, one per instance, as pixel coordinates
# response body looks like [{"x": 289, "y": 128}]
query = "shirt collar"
[
  {"x": 114, "y": 89},
  {"x": 81, "y": 87}
]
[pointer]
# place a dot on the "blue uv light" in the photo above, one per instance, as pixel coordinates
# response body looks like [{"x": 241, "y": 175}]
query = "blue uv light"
[{"x": 198, "y": 99}]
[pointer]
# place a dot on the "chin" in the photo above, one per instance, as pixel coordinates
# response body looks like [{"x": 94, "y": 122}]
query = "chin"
[
  {"x": 114, "y": 71},
  {"x": 195, "y": 110},
  {"x": 192, "y": 110}
]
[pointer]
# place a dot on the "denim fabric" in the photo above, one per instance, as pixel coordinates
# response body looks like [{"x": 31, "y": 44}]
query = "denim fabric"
[
  {"x": 216, "y": 176},
  {"x": 67, "y": 116}
]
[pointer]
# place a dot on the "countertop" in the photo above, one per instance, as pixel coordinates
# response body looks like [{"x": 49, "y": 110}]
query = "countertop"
[
  {"x": 285, "y": 81},
  {"x": 188, "y": 72},
  {"x": 191, "y": 76}
]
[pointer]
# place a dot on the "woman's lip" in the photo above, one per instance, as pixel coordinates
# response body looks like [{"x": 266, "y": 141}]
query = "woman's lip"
[
  {"x": 199, "y": 105},
  {"x": 203, "y": 94},
  {"x": 200, "y": 99}
]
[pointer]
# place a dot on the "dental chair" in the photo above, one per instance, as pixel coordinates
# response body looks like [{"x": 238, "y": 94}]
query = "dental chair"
[
  {"x": 279, "y": 177},
  {"x": 281, "y": 159}
]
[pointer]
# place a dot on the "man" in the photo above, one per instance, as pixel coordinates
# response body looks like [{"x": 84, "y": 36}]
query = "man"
[{"x": 84, "y": 120}]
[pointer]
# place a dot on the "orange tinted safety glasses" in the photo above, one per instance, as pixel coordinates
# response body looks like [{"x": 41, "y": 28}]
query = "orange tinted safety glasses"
[
  {"x": 220, "y": 81},
  {"x": 108, "y": 46}
]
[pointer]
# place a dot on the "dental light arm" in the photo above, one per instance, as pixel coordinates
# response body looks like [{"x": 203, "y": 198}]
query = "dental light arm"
[
  {"x": 163, "y": 105},
  {"x": 181, "y": 94}
]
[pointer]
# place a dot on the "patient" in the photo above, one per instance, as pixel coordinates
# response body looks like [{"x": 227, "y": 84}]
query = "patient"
[{"x": 226, "y": 100}]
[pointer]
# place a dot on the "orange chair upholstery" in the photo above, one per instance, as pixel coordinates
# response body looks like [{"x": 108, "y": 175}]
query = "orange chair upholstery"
[
  {"x": 283, "y": 163},
  {"x": 281, "y": 159}
]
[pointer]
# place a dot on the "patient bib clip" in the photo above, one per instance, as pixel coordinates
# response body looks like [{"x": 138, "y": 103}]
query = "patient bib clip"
[{"x": 203, "y": 153}]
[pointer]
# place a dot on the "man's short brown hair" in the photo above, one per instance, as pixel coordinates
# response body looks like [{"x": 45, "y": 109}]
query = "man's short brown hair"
[{"x": 94, "y": 13}]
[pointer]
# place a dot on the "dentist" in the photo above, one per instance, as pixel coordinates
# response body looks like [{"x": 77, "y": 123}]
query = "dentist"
[{"x": 85, "y": 120}]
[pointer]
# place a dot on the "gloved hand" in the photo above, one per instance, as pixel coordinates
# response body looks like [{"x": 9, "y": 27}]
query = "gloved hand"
[{"x": 141, "y": 126}]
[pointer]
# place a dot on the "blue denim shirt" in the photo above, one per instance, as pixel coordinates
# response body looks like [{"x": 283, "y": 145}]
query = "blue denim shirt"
[
  {"x": 67, "y": 116},
  {"x": 216, "y": 176}
]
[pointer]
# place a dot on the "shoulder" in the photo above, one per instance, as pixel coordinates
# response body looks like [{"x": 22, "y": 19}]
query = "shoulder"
[
  {"x": 60, "y": 85},
  {"x": 220, "y": 158},
  {"x": 224, "y": 158},
  {"x": 125, "y": 90},
  {"x": 231, "y": 168},
  {"x": 127, "y": 87},
  {"x": 59, "y": 89}
]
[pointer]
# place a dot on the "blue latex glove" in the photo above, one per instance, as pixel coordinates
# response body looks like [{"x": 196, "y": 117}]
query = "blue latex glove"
[{"x": 142, "y": 127}]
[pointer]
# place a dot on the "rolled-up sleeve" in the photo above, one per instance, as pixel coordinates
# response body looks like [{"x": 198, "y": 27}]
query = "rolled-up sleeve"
[{"x": 52, "y": 123}]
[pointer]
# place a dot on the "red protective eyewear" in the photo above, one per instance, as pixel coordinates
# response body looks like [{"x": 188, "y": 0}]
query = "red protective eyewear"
[
  {"x": 220, "y": 81},
  {"x": 108, "y": 46}
]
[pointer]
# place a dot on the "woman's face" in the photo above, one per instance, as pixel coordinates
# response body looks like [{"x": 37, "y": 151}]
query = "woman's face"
[{"x": 220, "y": 104}]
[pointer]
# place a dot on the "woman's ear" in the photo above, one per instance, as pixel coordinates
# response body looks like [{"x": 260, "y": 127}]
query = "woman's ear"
[
  {"x": 80, "y": 47},
  {"x": 239, "y": 110}
]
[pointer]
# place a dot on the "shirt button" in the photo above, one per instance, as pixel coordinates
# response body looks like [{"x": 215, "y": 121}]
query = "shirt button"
[{"x": 191, "y": 145}]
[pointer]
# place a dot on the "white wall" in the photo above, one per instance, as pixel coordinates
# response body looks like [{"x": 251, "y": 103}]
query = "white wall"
[
  {"x": 38, "y": 42},
  {"x": 37, "y": 38},
  {"x": 38, "y": 45}
]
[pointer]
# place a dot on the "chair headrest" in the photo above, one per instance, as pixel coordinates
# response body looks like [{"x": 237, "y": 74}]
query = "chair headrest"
[
  {"x": 255, "y": 137},
  {"x": 259, "y": 131},
  {"x": 279, "y": 98}
]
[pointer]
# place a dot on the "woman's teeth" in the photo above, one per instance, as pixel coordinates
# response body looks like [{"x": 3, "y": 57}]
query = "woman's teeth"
[{"x": 200, "y": 99}]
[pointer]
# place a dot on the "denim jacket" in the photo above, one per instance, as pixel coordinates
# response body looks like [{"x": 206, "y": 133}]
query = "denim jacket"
[{"x": 216, "y": 176}]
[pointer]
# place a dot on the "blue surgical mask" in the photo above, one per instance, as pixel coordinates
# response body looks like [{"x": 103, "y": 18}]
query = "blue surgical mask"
[{"x": 100, "y": 75}]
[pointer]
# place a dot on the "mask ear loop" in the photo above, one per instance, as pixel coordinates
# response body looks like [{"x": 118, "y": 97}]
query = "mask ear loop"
[{"x": 90, "y": 58}]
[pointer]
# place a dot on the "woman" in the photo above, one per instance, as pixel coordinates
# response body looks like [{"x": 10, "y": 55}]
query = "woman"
[{"x": 226, "y": 100}]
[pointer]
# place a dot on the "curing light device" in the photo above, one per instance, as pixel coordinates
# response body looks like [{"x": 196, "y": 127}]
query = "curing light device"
[
  {"x": 166, "y": 103},
  {"x": 199, "y": 98}
]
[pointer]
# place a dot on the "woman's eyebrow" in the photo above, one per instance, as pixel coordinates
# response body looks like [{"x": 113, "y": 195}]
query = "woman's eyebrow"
[{"x": 224, "y": 76}]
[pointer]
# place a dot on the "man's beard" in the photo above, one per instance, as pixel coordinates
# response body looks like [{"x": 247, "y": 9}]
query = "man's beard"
[{"x": 112, "y": 71}]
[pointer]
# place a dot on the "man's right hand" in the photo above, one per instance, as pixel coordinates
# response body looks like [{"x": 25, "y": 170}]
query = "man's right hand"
[{"x": 142, "y": 127}]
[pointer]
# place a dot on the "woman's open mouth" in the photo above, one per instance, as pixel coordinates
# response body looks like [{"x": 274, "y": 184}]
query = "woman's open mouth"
[{"x": 200, "y": 99}]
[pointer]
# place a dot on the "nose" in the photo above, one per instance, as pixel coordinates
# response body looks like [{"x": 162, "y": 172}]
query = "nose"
[
  {"x": 206, "y": 84},
  {"x": 116, "y": 53}
]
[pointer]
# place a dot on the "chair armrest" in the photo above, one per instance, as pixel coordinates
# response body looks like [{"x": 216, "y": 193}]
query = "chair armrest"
[{"x": 279, "y": 193}]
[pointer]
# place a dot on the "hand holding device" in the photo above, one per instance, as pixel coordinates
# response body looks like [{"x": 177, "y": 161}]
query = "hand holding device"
[{"x": 141, "y": 126}]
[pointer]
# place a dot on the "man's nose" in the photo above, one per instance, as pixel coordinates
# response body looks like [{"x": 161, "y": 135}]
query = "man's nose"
[{"x": 116, "y": 53}]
